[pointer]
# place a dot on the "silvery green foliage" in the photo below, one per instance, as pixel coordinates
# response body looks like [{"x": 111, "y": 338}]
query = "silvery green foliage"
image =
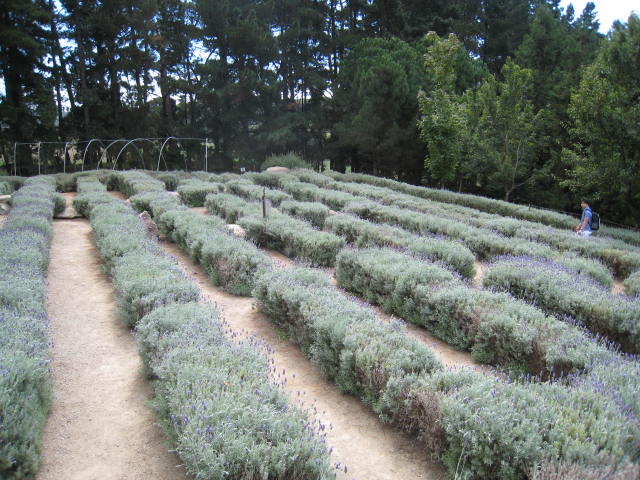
[
  {"x": 497, "y": 328},
  {"x": 130, "y": 182},
  {"x": 217, "y": 401},
  {"x": 345, "y": 339},
  {"x": 632, "y": 283},
  {"x": 293, "y": 237},
  {"x": 306, "y": 192},
  {"x": 230, "y": 207},
  {"x": 249, "y": 191},
  {"x": 193, "y": 192},
  {"x": 558, "y": 289},
  {"x": 143, "y": 276},
  {"x": 368, "y": 234},
  {"x": 524, "y": 235},
  {"x": 273, "y": 179},
  {"x": 25, "y": 378},
  {"x": 311, "y": 176},
  {"x": 313, "y": 212}
]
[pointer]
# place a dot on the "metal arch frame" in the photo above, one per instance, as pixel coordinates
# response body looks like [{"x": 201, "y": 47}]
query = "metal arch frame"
[
  {"x": 115, "y": 163},
  {"x": 104, "y": 152},
  {"x": 179, "y": 139},
  {"x": 87, "y": 148}
]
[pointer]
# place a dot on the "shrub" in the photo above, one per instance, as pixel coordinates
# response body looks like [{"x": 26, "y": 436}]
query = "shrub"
[
  {"x": 498, "y": 329},
  {"x": 271, "y": 179},
  {"x": 347, "y": 342},
  {"x": 555, "y": 288},
  {"x": 230, "y": 207},
  {"x": 194, "y": 192},
  {"x": 632, "y": 283},
  {"x": 130, "y": 182},
  {"x": 312, "y": 212},
  {"x": 217, "y": 401},
  {"x": 25, "y": 378},
  {"x": 249, "y": 191},
  {"x": 368, "y": 234},
  {"x": 295, "y": 238},
  {"x": 59, "y": 204},
  {"x": 288, "y": 160}
]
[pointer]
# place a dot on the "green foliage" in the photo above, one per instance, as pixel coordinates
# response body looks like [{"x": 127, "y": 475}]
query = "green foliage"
[
  {"x": 559, "y": 290},
  {"x": 603, "y": 160},
  {"x": 25, "y": 376},
  {"x": 288, "y": 160},
  {"x": 313, "y": 212},
  {"x": 295, "y": 238},
  {"x": 218, "y": 402},
  {"x": 498, "y": 329},
  {"x": 632, "y": 283},
  {"x": 250, "y": 191},
  {"x": 194, "y": 192},
  {"x": 346, "y": 341}
]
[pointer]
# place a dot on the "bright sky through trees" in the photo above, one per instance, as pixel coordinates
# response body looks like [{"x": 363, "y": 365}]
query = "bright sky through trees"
[{"x": 608, "y": 11}]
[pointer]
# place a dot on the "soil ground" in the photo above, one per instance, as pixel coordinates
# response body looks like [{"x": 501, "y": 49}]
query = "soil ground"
[
  {"x": 100, "y": 426},
  {"x": 369, "y": 449}
]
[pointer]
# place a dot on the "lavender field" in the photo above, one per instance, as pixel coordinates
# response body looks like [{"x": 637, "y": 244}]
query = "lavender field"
[{"x": 370, "y": 280}]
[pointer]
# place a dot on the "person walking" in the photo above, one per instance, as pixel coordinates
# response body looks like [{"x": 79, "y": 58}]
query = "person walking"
[{"x": 583, "y": 229}]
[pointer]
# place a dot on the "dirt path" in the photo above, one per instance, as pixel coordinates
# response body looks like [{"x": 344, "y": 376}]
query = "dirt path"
[
  {"x": 369, "y": 449},
  {"x": 481, "y": 270},
  {"x": 618, "y": 287},
  {"x": 100, "y": 426},
  {"x": 3, "y": 218}
]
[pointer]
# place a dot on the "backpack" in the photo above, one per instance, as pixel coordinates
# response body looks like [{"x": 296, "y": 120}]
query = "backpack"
[{"x": 595, "y": 221}]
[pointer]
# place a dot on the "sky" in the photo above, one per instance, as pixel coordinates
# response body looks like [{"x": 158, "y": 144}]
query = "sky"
[{"x": 607, "y": 11}]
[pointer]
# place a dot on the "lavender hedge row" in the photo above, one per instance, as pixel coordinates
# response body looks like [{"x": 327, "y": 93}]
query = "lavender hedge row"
[
  {"x": 229, "y": 262},
  {"x": 498, "y": 329},
  {"x": 280, "y": 232},
  {"x": 215, "y": 397},
  {"x": 368, "y": 234},
  {"x": 484, "y": 204},
  {"x": 25, "y": 377},
  {"x": 622, "y": 258},
  {"x": 249, "y": 191},
  {"x": 558, "y": 289},
  {"x": 193, "y": 192},
  {"x": 632, "y": 283},
  {"x": 479, "y": 426}
]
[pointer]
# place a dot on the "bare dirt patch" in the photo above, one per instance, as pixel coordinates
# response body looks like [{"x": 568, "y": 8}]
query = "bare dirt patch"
[
  {"x": 100, "y": 426},
  {"x": 618, "y": 288},
  {"x": 481, "y": 270},
  {"x": 3, "y": 218},
  {"x": 369, "y": 449}
]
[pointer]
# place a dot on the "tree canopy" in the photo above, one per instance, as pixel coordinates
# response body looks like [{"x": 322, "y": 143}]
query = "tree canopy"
[{"x": 517, "y": 99}]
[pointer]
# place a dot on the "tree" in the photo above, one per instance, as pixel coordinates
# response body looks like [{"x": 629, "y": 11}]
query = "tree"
[
  {"x": 450, "y": 71},
  {"x": 502, "y": 126},
  {"x": 377, "y": 107},
  {"x": 604, "y": 162}
]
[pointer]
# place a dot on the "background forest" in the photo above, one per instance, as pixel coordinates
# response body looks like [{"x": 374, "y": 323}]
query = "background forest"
[{"x": 513, "y": 99}]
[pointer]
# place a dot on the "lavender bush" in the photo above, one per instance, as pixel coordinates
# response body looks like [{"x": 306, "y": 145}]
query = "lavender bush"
[
  {"x": 220, "y": 402},
  {"x": 558, "y": 289},
  {"x": 25, "y": 377},
  {"x": 193, "y": 192}
]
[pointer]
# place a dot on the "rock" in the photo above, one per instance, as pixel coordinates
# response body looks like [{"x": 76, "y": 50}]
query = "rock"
[
  {"x": 152, "y": 228},
  {"x": 277, "y": 169},
  {"x": 237, "y": 230},
  {"x": 5, "y": 198}
]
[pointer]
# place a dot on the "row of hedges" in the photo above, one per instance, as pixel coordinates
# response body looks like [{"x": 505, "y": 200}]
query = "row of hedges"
[
  {"x": 368, "y": 234},
  {"x": 216, "y": 398},
  {"x": 455, "y": 414},
  {"x": 498, "y": 329},
  {"x": 479, "y": 426},
  {"x": 558, "y": 289},
  {"x": 277, "y": 231},
  {"x": 622, "y": 258},
  {"x": 484, "y": 204},
  {"x": 249, "y": 191},
  {"x": 193, "y": 192},
  {"x": 25, "y": 377}
]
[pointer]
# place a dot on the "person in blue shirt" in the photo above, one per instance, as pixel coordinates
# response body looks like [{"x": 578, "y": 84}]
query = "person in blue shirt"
[{"x": 583, "y": 229}]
